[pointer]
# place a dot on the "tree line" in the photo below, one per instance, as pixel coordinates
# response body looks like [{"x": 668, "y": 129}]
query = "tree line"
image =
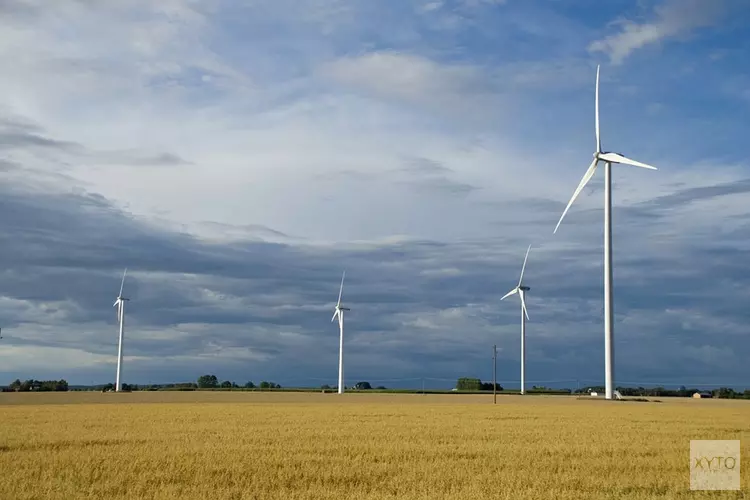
[
  {"x": 682, "y": 392},
  {"x": 38, "y": 385}
]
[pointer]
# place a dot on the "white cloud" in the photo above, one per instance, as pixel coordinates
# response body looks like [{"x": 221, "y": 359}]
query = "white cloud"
[{"x": 673, "y": 19}]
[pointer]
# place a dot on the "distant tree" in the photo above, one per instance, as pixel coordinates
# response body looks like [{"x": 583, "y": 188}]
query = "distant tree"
[
  {"x": 469, "y": 384},
  {"x": 487, "y": 386},
  {"x": 724, "y": 393},
  {"x": 381, "y": 388},
  {"x": 325, "y": 387},
  {"x": 126, "y": 387},
  {"x": 363, "y": 386},
  {"x": 249, "y": 385},
  {"x": 15, "y": 385},
  {"x": 208, "y": 382},
  {"x": 226, "y": 384}
]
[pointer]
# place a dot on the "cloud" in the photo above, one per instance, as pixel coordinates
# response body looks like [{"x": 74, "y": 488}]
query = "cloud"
[
  {"x": 673, "y": 19},
  {"x": 238, "y": 156},
  {"x": 406, "y": 76}
]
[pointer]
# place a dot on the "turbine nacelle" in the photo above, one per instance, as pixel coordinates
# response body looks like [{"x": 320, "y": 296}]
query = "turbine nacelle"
[
  {"x": 339, "y": 308},
  {"x": 599, "y": 155},
  {"x": 520, "y": 286}
]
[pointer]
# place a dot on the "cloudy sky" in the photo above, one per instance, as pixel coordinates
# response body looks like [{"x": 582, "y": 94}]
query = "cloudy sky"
[{"x": 237, "y": 156}]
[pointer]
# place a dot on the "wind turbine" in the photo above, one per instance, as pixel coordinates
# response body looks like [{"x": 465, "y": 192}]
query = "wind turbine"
[
  {"x": 521, "y": 290},
  {"x": 608, "y": 159},
  {"x": 120, "y": 305},
  {"x": 339, "y": 312}
]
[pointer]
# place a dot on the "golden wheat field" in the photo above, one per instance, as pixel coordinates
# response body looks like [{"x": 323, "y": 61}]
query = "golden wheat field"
[{"x": 240, "y": 445}]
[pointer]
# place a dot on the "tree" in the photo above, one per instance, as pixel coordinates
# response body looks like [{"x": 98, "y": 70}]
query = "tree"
[
  {"x": 226, "y": 384},
  {"x": 487, "y": 386},
  {"x": 16, "y": 385},
  {"x": 325, "y": 387},
  {"x": 249, "y": 385},
  {"x": 469, "y": 384},
  {"x": 363, "y": 386},
  {"x": 208, "y": 382},
  {"x": 269, "y": 385},
  {"x": 724, "y": 393}
]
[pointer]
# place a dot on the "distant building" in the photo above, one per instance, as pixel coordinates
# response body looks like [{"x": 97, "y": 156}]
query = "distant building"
[{"x": 702, "y": 395}]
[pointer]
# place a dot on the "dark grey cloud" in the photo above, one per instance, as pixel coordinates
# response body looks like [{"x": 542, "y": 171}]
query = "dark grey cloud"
[
  {"x": 139, "y": 158},
  {"x": 690, "y": 195},
  {"x": 251, "y": 310},
  {"x": 427, "y": 175},
  {"x": 424, "y": 166},
  {"x": 19, "y": 139},
  {"x": 19, "y": 134}
]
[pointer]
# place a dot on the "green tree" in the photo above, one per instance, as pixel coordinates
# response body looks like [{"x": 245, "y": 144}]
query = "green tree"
[
  {"x": 226, "y": 384},
  {"x": 363, "y": 386},
  {"x": 487, "y": 386},
  {"x": 469, "y": 384},
  {"x": 208, "y": 382},
  {"x": 249, "y": 385}
]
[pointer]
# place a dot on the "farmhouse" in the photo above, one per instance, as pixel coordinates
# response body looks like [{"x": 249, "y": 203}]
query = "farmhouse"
[{"x": 702, "y": 395}]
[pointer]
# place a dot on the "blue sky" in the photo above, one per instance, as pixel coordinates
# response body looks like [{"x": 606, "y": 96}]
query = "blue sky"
[{"x": 237, "y": 156}]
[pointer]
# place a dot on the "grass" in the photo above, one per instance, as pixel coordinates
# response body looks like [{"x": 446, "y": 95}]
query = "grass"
[{"x": 244, "y": 445}]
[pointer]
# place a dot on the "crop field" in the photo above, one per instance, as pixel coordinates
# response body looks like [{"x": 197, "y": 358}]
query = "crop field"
[{"x": 241, "y": 445}]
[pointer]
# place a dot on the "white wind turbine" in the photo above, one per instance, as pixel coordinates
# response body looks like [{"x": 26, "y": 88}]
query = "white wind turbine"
[
  {"x": 521, "y": 290},
  {"x": 120, "y": 305},
  {"x": 339, "y": 312},
  {"x": 608, "y": 159}
]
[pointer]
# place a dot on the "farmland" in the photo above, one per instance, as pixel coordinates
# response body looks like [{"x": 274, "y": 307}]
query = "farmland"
[{"x": 241, "y": 445}]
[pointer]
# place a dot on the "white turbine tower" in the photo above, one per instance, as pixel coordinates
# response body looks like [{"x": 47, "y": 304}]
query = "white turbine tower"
[
  {"x": 339, "y": 312},
  {"x": 608, "y": 159},
  {"x": 521, "y": 290},
  {"x": 120, "y": 305}
]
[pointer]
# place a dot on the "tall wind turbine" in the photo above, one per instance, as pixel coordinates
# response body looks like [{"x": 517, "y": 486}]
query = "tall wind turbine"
[
  {"x": 339, "y": 312},
  {"x": 120, "y": 305},
  {"x": 521, "y": 290},
  {"x": 608, "y": 159}
]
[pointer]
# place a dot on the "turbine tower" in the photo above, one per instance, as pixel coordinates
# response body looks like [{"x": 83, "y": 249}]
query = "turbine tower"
[
  {"x": 120, "y": 305},
  {"x": 608, "y": 159},
  {"x": 521, "y": 290},
  {"x": 339, "y": 312}
]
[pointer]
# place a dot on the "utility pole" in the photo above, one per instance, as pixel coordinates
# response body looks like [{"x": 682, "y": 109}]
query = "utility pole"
[{"x": 494, "y": 374}]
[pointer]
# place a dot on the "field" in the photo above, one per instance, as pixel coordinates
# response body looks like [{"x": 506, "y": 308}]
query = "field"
[{"x": 224, "y": 445}]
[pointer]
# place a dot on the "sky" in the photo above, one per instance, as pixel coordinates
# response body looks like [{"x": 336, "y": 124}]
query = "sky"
[{"x": 237, "y": 156}]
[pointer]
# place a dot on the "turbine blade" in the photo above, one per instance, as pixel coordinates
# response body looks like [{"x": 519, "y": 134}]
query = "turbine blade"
[
  {"x": 596, "y": 119},
  {"x": 523, "y": 306},
  {"x": 618, "y": 158},
  {"x": 515, "y": 290},
  {"x": 122, "y": 284},
  {"x": 524, "y": 265},
  {"x": 586, "y": 178},
  {"x": 116, "y": 302},
  {"x": 341, "y": 290},
  {"x": 334, "y": 315}
]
